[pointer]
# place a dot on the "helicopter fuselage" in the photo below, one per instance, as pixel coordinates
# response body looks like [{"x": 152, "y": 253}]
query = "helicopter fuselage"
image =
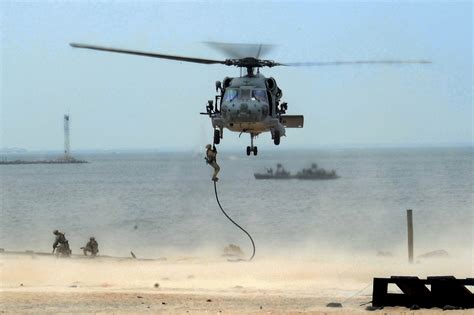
[
  {"x": 250, "y": 104},
  {"x": 247, "y": 106}
]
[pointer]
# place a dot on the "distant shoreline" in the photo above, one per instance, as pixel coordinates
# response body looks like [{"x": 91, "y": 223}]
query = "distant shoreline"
[
  {"x": 237, "y": 149},
  {"x": 20, "y": 162}
]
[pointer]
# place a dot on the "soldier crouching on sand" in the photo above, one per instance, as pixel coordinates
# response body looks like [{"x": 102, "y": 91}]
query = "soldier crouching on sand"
[
  {"x": 92, "y": 246},
  {"x": 210, "y": 158},
  {"x": 61, "y": 245}
]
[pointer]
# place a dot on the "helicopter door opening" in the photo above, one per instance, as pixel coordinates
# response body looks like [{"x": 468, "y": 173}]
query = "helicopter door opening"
[{"x": 270, "y": 104}]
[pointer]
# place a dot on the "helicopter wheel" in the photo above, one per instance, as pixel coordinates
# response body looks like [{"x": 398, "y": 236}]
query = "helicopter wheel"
[
  {"x": 255, "y": 151},
  {"x": 248, "y": 151},
  {"x": 276, "y": 137},
  {"x": 217, "y": 136}
]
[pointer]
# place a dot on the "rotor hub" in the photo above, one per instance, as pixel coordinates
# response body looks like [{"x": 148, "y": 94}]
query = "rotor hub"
[{"x": 251, "y": 62}]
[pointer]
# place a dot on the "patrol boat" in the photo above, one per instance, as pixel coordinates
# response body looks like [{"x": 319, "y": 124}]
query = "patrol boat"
[
  {"x": 316, "y": 173},
  {"x": 280, "y": 173},
  {"x": 312, "y": 173}
]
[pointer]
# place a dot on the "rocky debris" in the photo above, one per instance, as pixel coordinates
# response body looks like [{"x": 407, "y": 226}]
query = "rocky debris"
[
  {"x": 191, "y": 277},
  {"x": 373, "y": 308},
  {"x": 334, "y": 304},
  {"x": 414, "y": 307},
  {"x": 233, "y": 251},
  {"x": 440, "y": 253},
  {"x": 156, "y": 285},
  {"x": 208, "y": 300},
  {"x": 450, "y": 308},
  {"x": 139, "y": 297}
]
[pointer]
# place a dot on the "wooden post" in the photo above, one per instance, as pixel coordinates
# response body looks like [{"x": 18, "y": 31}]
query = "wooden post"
[{"x": 410, "y": 235}]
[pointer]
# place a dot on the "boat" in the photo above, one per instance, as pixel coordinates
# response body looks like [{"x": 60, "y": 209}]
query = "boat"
[
  {"x": 280, "y": 173},
  {"x": 316, "y": 173},
  {"x": 312, "y": 173}
]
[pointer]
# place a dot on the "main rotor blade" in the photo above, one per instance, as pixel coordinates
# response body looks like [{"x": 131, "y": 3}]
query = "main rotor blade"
[
  {"x": 355, "y": 62},
  {"x": 239, "y": 51},
  {"x": 148, "y": 54}
]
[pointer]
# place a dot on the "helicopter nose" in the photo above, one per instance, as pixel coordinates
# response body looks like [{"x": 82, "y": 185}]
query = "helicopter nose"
[{"x": 243, "y": 112}]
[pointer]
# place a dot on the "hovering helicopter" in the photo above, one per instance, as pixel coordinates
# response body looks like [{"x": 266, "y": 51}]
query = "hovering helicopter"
[{"x": 250, "y": 103}]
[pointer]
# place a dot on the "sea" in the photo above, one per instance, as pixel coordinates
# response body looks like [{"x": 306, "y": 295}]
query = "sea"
[{"x": 162, "y": 203}]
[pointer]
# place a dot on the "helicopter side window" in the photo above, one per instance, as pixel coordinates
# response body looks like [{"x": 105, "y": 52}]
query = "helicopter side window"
[
  {"x": 259, "y": 95},
  {"x": 230, "y": 95}
]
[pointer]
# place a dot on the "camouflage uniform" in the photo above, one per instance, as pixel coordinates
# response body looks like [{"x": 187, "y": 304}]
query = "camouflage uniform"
[
  {"x": 211, "y": 154},
  {"x": 61, "y": 244},
  {"x": 92, "y": 246}
]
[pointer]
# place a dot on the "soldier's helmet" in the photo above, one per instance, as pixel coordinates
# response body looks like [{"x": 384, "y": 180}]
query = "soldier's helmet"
[
  {"x": 208, "y": 146},
  {"x": 55, "y": 232}
]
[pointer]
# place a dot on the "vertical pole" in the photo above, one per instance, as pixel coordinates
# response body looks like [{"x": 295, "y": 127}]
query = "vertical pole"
[
  {"x": 66, "y": 137},
  {"x": 410, "y": 235}
]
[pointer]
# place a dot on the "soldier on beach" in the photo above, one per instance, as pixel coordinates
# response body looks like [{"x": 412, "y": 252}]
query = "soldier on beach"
[
  {"x": 211, "y": 153},
  {"x": 92, "y": 246},
  {"x": 61, "y": 244}
]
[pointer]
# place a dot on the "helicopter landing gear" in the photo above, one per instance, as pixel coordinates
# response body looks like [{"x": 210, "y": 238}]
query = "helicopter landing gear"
[
  {"x": 251, "y": 148},
  {"x": 276, "y": 137},
  {"x": 217, "y": 136}
]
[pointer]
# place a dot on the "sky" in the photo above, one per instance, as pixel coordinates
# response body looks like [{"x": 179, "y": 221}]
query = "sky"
[{"x": 129, "y": 102}]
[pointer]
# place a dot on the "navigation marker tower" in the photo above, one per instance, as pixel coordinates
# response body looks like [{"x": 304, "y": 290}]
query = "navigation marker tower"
[{"x": 67, "y": 149}]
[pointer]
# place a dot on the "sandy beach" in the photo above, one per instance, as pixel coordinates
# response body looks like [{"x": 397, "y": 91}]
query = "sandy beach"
[{"x": 43, "y": 284}]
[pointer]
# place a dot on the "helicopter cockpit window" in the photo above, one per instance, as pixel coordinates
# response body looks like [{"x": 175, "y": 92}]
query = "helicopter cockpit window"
[
  {"x": 230, "y": 95},
  {"x": 259, "y": 95}
]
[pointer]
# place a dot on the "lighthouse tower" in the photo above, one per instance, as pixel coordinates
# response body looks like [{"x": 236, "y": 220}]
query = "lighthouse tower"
[{"x": 67, "y": 149}]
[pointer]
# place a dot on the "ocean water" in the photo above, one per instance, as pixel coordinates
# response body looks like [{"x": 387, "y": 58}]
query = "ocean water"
[{"x": 159, "y": 203}]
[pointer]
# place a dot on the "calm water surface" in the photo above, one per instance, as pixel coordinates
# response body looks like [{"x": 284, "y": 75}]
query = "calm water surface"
[{"x": 155, "y": 202}]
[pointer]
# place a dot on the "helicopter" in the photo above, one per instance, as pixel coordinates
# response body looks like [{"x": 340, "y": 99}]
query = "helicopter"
[{"x": 250, "y": 103}]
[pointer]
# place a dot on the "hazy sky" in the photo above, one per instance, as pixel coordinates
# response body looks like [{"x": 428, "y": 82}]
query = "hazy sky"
[{"x": 130, "y": 102}]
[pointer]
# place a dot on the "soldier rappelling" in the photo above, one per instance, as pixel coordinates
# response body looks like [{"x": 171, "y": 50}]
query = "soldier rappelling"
[{"x": 211, "y": 154}]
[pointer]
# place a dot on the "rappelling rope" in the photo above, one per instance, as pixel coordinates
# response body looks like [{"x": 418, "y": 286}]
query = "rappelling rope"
[{"x": 235, "y": 223}]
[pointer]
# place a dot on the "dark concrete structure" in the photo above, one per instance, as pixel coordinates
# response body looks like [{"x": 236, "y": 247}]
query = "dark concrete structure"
[{"x": 439, "y": 291}]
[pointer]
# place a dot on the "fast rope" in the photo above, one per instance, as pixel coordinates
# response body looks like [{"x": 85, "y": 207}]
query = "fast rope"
[{"x": 235, "y": 223}]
